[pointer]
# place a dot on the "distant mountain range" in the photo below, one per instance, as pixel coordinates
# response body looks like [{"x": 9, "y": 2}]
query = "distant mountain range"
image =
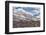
[{"x": 25, "y": 15}]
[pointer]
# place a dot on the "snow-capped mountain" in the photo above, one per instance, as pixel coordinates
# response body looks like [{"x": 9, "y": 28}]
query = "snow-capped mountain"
[
  {"x": 20, "y": 10},
  {"x": 34, "y": 10},
  {"x": 23, "y": 14}
]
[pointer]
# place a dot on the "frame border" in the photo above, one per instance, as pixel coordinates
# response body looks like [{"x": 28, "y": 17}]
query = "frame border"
[{"x": 7, "y": 17}]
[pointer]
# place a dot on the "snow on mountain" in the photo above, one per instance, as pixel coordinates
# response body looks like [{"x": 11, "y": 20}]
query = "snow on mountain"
[
  {"x": 22, "y": 10},
  {"x": 22, "y": 14},
  {"x": 25, "y": 14},
  {"x": 35, "y": 11}
]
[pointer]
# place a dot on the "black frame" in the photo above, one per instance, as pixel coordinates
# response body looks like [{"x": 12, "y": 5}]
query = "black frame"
[{"x": 7, "y": 17}]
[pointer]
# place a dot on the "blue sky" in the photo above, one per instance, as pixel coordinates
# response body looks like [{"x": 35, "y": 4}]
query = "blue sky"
[{"x": 35, "y": 11}]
